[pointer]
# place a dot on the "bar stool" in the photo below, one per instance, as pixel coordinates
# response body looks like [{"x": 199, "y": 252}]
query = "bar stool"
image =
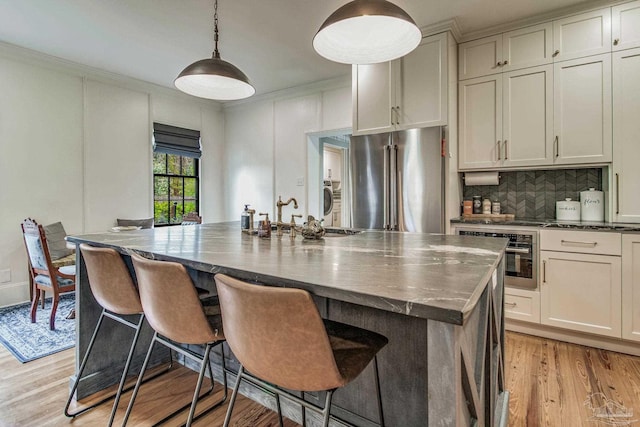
[
  {"x": 113, "y": 288},
  {"x": 174, "y": 311},
  {"x": 277, "y": 334}
]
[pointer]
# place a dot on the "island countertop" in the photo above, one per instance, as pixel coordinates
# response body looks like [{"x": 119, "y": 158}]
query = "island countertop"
[{"x": 430, "y": 276}]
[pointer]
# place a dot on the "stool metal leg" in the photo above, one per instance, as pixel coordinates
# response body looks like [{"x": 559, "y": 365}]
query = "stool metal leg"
[
  {"x": 137, "y": 387},
  {"x": 279, "y": 409},
  {"x": 327, "y": 408},
  {"x": 81, "y": 370},
  {"x": 194, "y": 402},
  {"x": 227, "y": 418}
]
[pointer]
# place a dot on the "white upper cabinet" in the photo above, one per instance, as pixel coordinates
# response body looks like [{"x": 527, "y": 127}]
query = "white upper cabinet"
[
  {"x": 527, "y": 117},
  {"x": 582, "y": 35},
  {"x": 480, "y": 122},
  {"x": 625, "y": 25},
  {"x": 582, "y": 110},
  {"x": 525, "y": 47},
  {"x": 372, "y": 98},
  {"x": 409, "y": 92},
  {"x": 480, "y": 57},
  {"x": 626, "y": 135}
]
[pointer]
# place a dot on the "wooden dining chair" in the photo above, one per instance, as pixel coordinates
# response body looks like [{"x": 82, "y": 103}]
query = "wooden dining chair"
[{"x": 46, "y": 277}]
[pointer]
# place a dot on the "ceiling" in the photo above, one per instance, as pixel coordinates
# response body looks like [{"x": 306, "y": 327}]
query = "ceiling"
[{"x": 269, "y": 40}]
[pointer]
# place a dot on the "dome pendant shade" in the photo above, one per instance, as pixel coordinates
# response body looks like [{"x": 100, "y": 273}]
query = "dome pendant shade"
[
  {"x": 367, "y": 32},
  {"x": 216, "y": 79}
]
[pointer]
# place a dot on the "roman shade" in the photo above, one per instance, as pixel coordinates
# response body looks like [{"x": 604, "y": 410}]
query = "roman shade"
[{"x": 175, "y": 140}]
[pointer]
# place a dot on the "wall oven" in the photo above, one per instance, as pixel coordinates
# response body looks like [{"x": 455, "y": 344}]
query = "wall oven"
[{"x": 521, "y": 257}]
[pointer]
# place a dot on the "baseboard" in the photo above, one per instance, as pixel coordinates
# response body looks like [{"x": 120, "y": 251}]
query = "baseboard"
[
  {"x": 612, "y": 344},
  {"x": 14, "y": 293}
]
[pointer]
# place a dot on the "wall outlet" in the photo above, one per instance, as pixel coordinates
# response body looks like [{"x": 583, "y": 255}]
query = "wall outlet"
[
  {"x": 5, "y": 275},
  {"x": 300, "y": 181}
]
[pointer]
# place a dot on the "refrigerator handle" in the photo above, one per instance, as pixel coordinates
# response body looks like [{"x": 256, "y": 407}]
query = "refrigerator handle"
[
  {"x": 393, "y": 171},
  {"x": 386, "y": 188}
]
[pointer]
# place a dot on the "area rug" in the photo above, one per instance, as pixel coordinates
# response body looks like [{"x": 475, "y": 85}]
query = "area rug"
[{"x": 29, "y": 341}]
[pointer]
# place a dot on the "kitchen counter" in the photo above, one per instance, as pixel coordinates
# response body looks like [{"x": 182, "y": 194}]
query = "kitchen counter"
[
  {"x": 553, "y": 223},
  {"x": 433, "y": 296}
]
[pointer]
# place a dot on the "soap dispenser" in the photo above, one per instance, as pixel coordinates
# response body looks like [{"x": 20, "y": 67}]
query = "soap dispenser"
[
  {"x": 264, "y": 228},
  {"x": 244, "y": 218}
]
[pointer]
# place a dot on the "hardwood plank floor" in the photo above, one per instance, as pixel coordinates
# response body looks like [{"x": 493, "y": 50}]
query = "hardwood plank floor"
[{"x": 549, "y": 382}]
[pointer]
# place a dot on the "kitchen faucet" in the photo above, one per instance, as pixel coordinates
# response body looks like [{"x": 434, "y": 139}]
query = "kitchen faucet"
[{"x": 279, "y": 205}]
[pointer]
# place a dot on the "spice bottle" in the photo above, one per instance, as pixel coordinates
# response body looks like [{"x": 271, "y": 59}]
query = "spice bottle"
[
  {"x": 486, "y": 207},
  {"x": 477, "y": 205}
]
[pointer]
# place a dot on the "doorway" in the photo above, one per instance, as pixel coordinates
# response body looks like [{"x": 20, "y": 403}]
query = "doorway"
[{"x": 329, "y": 181}]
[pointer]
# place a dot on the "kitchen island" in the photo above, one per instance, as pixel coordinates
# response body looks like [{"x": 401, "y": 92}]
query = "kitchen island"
[{"x": 437, "y": 298}]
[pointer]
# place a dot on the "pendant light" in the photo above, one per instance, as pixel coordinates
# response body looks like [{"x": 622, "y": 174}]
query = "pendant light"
[
  {"x": 367, "y": 32},
  {"x": 214, "y": 78}
]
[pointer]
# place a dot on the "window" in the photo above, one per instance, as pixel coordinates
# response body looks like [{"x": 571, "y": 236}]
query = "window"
[{"x": 176, "y": 180}]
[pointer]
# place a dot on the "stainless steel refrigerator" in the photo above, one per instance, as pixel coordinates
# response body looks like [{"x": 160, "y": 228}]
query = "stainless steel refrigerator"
[{"x": 396, "y": 181}]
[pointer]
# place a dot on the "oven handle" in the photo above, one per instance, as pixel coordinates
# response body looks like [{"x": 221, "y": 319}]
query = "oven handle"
[{"x": 518, "y": 250}]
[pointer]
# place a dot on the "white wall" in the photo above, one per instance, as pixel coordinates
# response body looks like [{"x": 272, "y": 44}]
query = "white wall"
[
  {"x": 267, "y": 145},
  {"x": 75, "y": 146}
]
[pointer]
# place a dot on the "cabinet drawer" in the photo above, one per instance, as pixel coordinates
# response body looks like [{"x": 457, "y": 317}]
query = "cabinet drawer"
[
  {"x": 586, "y": 242},
  {"x": 522, "y": 305}
]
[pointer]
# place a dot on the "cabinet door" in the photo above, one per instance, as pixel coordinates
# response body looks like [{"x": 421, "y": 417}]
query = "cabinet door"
[
  {"x": 372, "y": 98},
  {"x": 480, "y": 57},
  {"x": 528, "y": 116},
  {"x": 421, "y": 85},
  {"x": 582, "y": 110},
  {"x": 626, "y": 135},
  {"x": 582, "y": 35},
  {"x": 631, "y": 287},
  {"x": 581, "y": 292},
  {"x": 480, "y": 122},
  {"x": 527, "y": 47},
  {"x": 625, "y": 25}
]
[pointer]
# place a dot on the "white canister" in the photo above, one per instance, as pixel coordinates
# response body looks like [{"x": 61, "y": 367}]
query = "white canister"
[
  {"x": 568, "y": 210},
  {"x": 592, "y": 205}
]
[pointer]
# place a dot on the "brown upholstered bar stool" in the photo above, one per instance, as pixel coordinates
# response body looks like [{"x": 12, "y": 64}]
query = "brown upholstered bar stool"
[
  {"x": 113, "y": 288},
  {"x": 278, "y": 336},
  {"x": 174, "y": 311}
]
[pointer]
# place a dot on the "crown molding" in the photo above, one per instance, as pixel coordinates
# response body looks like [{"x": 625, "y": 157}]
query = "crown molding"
[
  {"x": 538, "y": 19},
  {"x": 442, "y": 26},
  {"x": 16, "y": 53}
]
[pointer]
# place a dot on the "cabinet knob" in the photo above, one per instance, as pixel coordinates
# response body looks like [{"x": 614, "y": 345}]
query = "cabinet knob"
[
  {"x": 556, "y": 53},
  {"x": 499, "y": 64},
  {"x": 505, "y": 62},
  {"x": 498, "y": 149},
  {"x": 616, "y": 41}
]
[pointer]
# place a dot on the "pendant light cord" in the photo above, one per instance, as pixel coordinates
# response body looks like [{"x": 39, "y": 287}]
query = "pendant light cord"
[{"x": 216, "y": 53}]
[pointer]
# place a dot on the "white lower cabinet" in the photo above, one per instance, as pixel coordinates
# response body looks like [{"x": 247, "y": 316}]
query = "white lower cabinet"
[
  {"x": 580, "y": 289},
  {"x": 520, "y": 304},
  {"x": 631, "y": 287}
]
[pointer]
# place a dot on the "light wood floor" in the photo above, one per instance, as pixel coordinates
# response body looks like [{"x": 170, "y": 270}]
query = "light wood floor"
[{"x": 548, "y": 381}]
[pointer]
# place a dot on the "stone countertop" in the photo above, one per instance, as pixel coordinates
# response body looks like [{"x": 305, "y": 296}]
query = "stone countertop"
[
  {"x": 553, "y": 223},
  {"x": 430, "y": 276}
]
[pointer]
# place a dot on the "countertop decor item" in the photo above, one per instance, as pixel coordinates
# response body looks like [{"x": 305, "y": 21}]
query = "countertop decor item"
[
  {"x": 214, "y": 78},
  {"x": 367, "y": 32},
  {"x": 313, "y": 228},
  {"x": 592, "y": 205},
  {"x": 568, "y": 210}
]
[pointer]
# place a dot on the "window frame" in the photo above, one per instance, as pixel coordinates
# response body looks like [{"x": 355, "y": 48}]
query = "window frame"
[{"x": 169, "y": 177}]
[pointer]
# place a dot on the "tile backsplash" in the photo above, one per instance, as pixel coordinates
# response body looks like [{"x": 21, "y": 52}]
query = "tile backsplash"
[{"x": 533, "y": 194}]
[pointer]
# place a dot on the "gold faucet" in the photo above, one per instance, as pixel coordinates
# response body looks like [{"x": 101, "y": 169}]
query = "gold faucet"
[{"x": 279, "y": 205}]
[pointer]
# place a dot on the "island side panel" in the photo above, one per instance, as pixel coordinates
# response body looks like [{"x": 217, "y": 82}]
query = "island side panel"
[{"x": 402, "y": 367}]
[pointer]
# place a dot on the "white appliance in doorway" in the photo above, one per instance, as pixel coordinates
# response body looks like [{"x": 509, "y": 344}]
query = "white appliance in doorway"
[{"x": 333, "y": 159}]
